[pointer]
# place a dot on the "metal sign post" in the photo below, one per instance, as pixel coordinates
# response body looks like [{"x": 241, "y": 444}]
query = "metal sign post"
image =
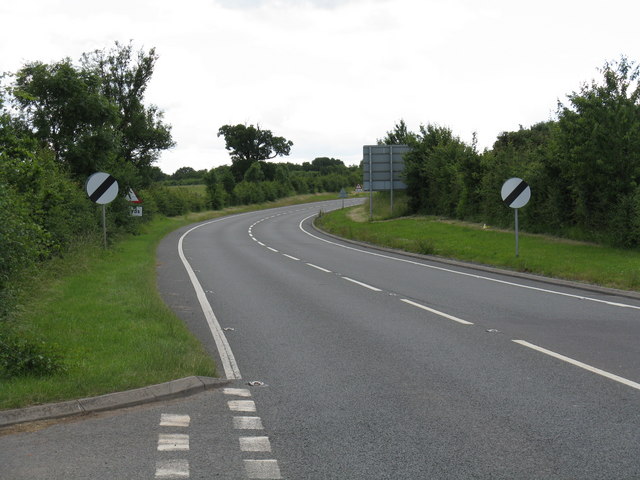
[
  {"x": 515, "y": 193},
  {"x": 102, "y": 188},
  {"x": 343, "y": 195}
]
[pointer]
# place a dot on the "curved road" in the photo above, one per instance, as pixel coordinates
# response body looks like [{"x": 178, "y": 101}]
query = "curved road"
[{"x": 383, "y": 366}]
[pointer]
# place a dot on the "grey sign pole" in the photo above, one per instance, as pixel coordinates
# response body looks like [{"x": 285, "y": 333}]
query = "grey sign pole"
[
  {"x": 102, "y": 188},
  {"x": 370, "y": 186},
  {"x": 516, "y": 194},
  {"x": 391, "y": 170}
]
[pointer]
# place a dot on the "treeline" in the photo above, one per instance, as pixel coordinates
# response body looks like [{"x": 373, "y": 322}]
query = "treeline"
[
  {"x": 583, "y": 167},
  {"x": 266, "y": 181}
]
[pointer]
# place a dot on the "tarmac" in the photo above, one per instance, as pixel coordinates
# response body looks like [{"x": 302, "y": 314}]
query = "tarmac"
[
  {"x": 112, "y": 401},
  {"x": 191, "y": 385}
]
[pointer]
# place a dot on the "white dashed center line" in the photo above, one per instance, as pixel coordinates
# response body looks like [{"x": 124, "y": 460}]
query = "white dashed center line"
[
  {"x": 442, "y": 314},
  {"x": 319, "y": 268},
  {"x": 375, "y": 289}
]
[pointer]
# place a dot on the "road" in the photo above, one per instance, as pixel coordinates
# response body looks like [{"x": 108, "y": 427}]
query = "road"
[
  {"x": 384, "y": 366},
  {"x": 370, "y": 365}
]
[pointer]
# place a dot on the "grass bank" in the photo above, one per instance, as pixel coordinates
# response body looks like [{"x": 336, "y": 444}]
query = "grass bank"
[
  {"x": 539, "y": 254},
  {"x": 101, "y": 311}
]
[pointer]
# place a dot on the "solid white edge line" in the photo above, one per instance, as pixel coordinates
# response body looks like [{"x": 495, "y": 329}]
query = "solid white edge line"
[
  {"x": 442, "y": 314},
  {"x": 375, "y": 289},
  {"x": 472, "y": 275},
  {"x": 319, "y": 268},
  {"x": 584, "y": 366},
  {"x": 231, "y": 370}
]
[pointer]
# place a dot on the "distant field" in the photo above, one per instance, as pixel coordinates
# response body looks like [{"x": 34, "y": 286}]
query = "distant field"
[{"x": 539, "y": 254}]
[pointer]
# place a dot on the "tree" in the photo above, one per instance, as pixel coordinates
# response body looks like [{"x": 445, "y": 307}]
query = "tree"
[
  {"x": 67, "y": 112},
  {"x": 215, "y": 190},
  {"x": 400, "y": 135},
  {"x": 249, "y": 144},
  {"x": 599, "y": 150},
  {"x": 125, "y": 76},
  {"x": 440, "y": 171},
  {"x": 254, "y": 174}
]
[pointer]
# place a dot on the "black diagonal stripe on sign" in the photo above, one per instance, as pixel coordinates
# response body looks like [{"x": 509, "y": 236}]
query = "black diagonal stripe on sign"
[
  {"x": 95, "y": 196},
  {"x": 516, "y": 193}
]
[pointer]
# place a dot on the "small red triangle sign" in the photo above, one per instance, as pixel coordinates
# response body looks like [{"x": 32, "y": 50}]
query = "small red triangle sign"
[{"x": 132, "y": 197}]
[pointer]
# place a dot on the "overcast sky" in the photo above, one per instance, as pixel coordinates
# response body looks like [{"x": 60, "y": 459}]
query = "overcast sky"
[{"x": 334, "y": 75}]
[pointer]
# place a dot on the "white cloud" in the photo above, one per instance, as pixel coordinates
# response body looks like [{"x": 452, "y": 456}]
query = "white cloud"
[{"x": 333, "y": 75}]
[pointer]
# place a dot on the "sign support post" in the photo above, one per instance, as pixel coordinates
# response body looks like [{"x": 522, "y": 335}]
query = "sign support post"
[
  {"x": 516, "y": 194},
  {"x": 517, "y": 251},
  {"x": 370, "y": 187},
  {"x": 391, "y": 174},
  {"x": 102, "y": 188}
]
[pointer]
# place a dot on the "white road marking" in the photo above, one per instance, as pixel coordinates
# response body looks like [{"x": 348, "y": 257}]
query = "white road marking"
[
  {"x": 255, "y": 444},
  {"x": 584, "y": 366},
  {"x": 242, "y": 405},
  {"x": 273, "y": 249},
  {"x": 319, "y": 268},
  {"x": 170, "y": 442},
  {"x": 172, "y": 469},
  {"x": 262, "y": 469},
  {"x": 261, "y": 244},
  {"x": 442, "y": 314},
  {"x": 375, "y": 289},
  {"x": 247, "y": 423},
  {"x": 174, "y": 420},
  {"x": 231, "y": 370},
  {"x": 291, "y": 257},
  {"x": 238, "y": 392},
  {"x": 480, "y": 277}
]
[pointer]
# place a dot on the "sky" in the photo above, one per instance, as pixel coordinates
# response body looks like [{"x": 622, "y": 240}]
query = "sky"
[{"x": 334, "y": 75}]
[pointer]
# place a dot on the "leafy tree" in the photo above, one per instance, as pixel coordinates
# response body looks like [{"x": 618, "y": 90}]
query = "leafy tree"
[
  {"x": 254, "y": 174},
  {"x": 599, "y": 149},
  {"x": 400, "y": 135},
  {"x": 184, "y": 172},
  {"x": 67, "y": 112},
  {"x": 125, "y": 75},
  {"x": 249, "y": 144},
  {"x": 215, "y": 190},
  {"x": 326, "y": 165}
]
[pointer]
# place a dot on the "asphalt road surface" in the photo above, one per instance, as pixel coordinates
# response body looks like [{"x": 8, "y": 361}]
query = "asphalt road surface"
[
  {"x": 370, "y": 365},
  {"x": 382, "y": 366}
]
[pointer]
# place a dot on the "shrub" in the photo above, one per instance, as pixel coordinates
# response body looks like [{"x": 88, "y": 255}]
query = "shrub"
[{"x": 21, "y": 356}]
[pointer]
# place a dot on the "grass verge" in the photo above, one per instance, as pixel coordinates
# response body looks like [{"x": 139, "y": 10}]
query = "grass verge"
[
  {"x": 102, "y": 313},
  {"x": 539, "y": 254}
]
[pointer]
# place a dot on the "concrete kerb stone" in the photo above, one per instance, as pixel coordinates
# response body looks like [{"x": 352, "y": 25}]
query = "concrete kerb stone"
[{"x": 164, "y": 391}]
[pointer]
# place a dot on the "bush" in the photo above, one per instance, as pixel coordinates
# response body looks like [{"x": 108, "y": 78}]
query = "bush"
[{"x": 24, "y": 357}]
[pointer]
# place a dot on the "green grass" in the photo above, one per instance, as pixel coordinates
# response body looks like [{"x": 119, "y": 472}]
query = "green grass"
[
  {"x": 539, "y": 254},
  {"x": 102, "y": 312}
]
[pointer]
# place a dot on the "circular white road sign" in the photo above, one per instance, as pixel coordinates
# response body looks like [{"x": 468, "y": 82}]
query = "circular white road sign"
[
  {"x": 102, "y": 188},
  {"x": 515, "y": 192}
]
